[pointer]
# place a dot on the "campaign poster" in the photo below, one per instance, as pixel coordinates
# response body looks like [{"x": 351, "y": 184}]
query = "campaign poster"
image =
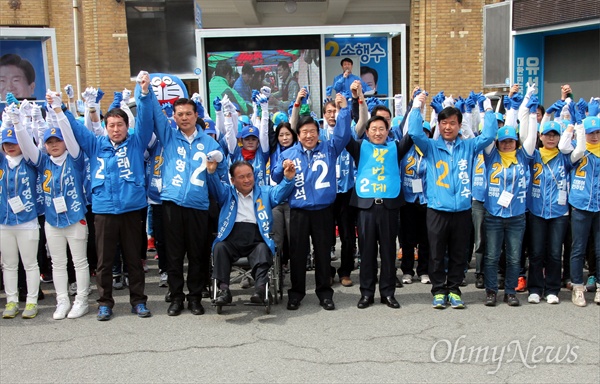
[{"x": 22, "y": 70}]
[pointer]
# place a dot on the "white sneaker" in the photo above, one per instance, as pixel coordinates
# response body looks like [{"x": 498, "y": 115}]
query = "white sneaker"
[
  {"x": 62, "y": 308},
  {"x": 73, "y": 289},
  {"x": 577, "y": 296},
  {"x": 552, "y": 299},
  {"x": 534, "y": 298},
  {"x": 425, "y": 279},
  {"x": 163, "y": 282},
  {"x": 407, "y": 279},
  {"x": 80, "y": 308}
]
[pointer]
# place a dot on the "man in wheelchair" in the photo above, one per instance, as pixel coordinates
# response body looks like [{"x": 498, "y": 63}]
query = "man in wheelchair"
[{"x": 245, "y": 224}]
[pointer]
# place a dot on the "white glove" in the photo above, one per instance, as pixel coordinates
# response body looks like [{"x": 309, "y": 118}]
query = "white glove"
[
  {"x": 196, "y": 98},
  {"x": 69, "y": 91},
  {"x": 140, "y": 75},
  {"x": 26, "y": 108},
  {"x": 530, "y": 89},
  {"x": 487, "y": 104},
  {"x": 215, "y": 155},
  {"x": 6, "y": 121},
  {"x": 397, "y": 100},
  {"x": 448, "y": 102},
  {"x": 14, "y": 114},
  {"x": 417, "y": 103},
  {"x": 266, "y": 91},
  {"x": 36, "y": 112},
  {"x": 264, "y": 102},
  {"x": 56, "y": 99},
  {"x": 126, "y": 95},
  {"x": 89, "y": 96}
]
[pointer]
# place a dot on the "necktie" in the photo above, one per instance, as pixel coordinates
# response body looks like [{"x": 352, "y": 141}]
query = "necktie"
[
  {"x": 450, "y": 146},
  {"x": 309, "y": 154}
]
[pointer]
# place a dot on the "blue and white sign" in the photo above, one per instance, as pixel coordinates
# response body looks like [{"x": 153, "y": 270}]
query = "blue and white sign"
[{"x": 529, "y": 62}]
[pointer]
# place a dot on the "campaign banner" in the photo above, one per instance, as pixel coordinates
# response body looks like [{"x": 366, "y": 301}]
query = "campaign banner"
[
  {"x": 22, "y": 69},
  {"x": 529, "y": 62},
  {"x": 373, "y": 54}
]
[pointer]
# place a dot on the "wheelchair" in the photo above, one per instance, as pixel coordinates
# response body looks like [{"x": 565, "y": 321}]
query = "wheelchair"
[{"x": 241, "y": 269}]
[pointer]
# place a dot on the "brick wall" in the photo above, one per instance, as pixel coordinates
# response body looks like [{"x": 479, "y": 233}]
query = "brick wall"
[
  {"x": 103, "y": 49},
  {"x": 446, "y": 45}
]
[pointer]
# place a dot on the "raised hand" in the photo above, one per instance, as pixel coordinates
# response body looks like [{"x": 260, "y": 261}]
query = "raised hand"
[
  {"x": 217, "y": 105},
  {"x": 69, "y": 91},
  {"x": 289, "y": 169}
]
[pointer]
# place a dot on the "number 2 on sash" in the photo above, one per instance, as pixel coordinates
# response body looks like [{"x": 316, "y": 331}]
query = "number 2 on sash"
[{"x": 440, "y": 179}]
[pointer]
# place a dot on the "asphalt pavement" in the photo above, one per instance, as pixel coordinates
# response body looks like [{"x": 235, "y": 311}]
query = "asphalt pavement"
[{"x": 416, "y": 343}]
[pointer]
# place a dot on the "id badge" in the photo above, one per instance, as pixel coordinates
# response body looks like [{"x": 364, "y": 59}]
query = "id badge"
[
  {"x": 60, "y": 205},
  {"x": 562, "y": 197},
  {"x": 417, "y": 185},
  {"x": 505, "y": 199},
  {"x": 338, "y": 171},
  {"x": 16, "y": 204}
]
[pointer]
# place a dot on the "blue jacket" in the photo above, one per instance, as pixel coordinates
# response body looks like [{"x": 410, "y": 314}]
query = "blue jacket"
[
  {"x": 65, "y": 181},
  {"x": 585, "y": 183},
  {"x": 184, "y": 166},
  {"x": 315, "y": 184},
  {"x": 344, "y": 166},
  {"x": 514, "y": 179},
  {"x": 413, "y": 167},
  {"x": 449, "y": 174},
  {"x": 154, "y": 171},
  {"x": 479, "y": 179},
  {"x": 546, "y": 182},
  {"x": 341, "y": 84},
  {"x": 265, "y": 198},
  {"x": 118, "y": 174},
  {"x": 19, "y": 181}
]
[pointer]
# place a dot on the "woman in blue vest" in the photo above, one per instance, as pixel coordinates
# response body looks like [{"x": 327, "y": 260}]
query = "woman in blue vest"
[
  {"x": 584, "y": 196},
  {"x": 64, "y": 203},
  {"x": 19, "y": 228},
  {"x": 508, "y": 176}
]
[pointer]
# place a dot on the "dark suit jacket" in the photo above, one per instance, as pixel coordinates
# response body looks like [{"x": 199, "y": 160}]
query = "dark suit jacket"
[{"x": 353, "y": 148}]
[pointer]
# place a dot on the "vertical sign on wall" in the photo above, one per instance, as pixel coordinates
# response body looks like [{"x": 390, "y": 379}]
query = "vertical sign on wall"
[
  {"x": 529, "y": 62},
  {"x": 198, "y": 14}
]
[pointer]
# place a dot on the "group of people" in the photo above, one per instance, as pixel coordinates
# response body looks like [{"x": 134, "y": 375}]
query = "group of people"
[{"x": 280, "y": 182}]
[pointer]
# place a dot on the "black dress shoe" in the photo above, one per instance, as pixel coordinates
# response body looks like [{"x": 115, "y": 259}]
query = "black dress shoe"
[
  {"x": 464, "y": 282},
  {"x": 259, "y": 297},
  {"x": 399, "y": 283},
  {"x": 293, "y": 304},
  {"x": 223, "y": 297},
  {"x": 168, "y": 297},
  {"x": 364, "y": 302},
  {"x": 195, "y": 306},
  {"x": 479, "y": 282},
  {"x": 205, "y": 293},
  {"x": 327, "y": 304},
  {"x": 390, "y": 301},
  {"x": 175, "y": 308}
]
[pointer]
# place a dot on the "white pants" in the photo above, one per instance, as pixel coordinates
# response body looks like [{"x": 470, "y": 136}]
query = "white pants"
[
  {"x": 57, "y": 238},
  {"x": 25, "y": 242}
]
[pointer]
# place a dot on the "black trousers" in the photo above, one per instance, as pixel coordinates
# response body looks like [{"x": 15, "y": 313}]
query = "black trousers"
[
  {"x": 186, "y": 233},
  {"x": 377, "y": 230},
  {"x": 159, "y": 238},
  {"x": 304, "y": 225},
  {"x": 124, "y": 229},
  {"x": 243, "y": 241},
  {"x": 414, "y": 233},
  {"x": 345, "y": 215},
  {"x": 449, "y": 234}
]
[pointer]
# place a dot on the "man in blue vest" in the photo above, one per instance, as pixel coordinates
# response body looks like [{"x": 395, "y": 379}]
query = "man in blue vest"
[{"x": 245, "y": 224}]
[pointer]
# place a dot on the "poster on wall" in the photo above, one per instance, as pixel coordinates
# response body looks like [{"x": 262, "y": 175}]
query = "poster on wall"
[
  {"x": 373, "y": 56},
  {"x": 528, "y": 64},
  {"x": 22, "y": 70}
]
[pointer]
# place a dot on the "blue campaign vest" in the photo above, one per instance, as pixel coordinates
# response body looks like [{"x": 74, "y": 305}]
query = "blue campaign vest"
[
  {"x": 65, "y": 181},
  {"x": 479, "y": 189},
  {"x": 19, "y": 181},
  {"x": 154, "y": 171},
  {"x": 378, "y": 172},
  {"x": 546, "y": 180},
  {"x": 585, "y": 183},
  {"x": 514, "y": 179},
  {"x": 413, "y": 167}
]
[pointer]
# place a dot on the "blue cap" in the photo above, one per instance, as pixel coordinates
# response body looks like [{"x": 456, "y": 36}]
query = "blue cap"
[
  {"x": 280, "y": 117},
  {"x": 427, "y": 126},
  {"x": 244, "y": 119},
  {"x": 591, "y": 124},
  {"x": 209, "y": 126},
  {"x": 549, "y": 126},
  {"x": 499, "y": 117},
  {"x": 53, "y": 132},
  {"x": 249, "y": 130},
  {"x": 507, "y": 132},
  {"x": 9, "y": 136}
]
